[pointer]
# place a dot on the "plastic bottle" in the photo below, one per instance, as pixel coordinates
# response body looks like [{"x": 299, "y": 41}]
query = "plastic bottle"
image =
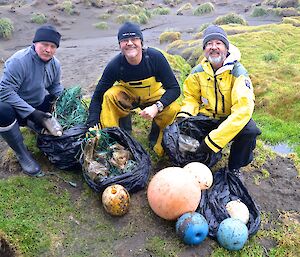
[{"x": 53, "y": 127}]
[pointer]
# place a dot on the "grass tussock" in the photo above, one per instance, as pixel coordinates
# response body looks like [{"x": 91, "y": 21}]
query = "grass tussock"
[
  {"x": 259, "y": 11},
  {"x": 67, "y": 7},
  {"x": 231, "y": 18},
  {"x": 191, "y": 49},
  {"x": 95, "y": 3},
  {"x": 104, "y": 16},
  {"x": 172, "y": 3},
  {"x": 204, "y": 8},
  {"x": 161, "y": 11},
  {"x": 101, "y": 25},
  {"x": 295, "y": 21},
  {"x": 185, "y": 7},
  {"x": 169, "y": 36},
  {"x": 38, "y": 18},
  {"x": 6, "y": 28},
  {"x": 285, "y": 12},
  {"x": 122, "y": 18},
  {"x": 288, "y": 3},
  {"x": 135, "y": 14},
  {"x": 272, "y": 3}
]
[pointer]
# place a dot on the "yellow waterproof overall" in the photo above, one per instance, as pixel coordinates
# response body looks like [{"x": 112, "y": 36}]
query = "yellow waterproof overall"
[{"x": 123, "y": 97}]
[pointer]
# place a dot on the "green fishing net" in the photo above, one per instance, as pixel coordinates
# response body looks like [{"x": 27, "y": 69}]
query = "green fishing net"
[{"x": 71, "y": 109}]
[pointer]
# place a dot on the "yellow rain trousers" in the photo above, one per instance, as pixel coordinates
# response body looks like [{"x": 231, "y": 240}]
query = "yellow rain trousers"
[{"x": 123, "y": 97}]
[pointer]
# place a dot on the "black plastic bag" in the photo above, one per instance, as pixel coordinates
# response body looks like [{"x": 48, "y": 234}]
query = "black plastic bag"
[
  {"x": 63, "y": 151},
  {"x": 133, "y": 180},
  {"x": 226, "y": 187},
  {"x": 196, "y": 127}
]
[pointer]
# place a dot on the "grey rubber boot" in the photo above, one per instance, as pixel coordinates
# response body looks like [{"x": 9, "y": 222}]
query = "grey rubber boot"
[{"x": 14, "y": 139}]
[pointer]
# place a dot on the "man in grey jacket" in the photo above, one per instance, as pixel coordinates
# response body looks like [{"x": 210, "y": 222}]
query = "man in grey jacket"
[{"x": 29, "y": 86}]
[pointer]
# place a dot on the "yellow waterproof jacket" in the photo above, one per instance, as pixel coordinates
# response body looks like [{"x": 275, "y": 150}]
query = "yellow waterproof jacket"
[{"x": 225, "y": 94}]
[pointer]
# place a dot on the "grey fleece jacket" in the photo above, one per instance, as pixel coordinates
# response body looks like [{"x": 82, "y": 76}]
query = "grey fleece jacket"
[{"x": 27, "y": 79}]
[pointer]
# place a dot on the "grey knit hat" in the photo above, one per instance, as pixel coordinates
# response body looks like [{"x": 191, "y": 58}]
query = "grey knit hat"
[
  {"x": 47, "y": 33},
  {"x": 215, "y": 32},
  {"x": 129, "y": 29}
]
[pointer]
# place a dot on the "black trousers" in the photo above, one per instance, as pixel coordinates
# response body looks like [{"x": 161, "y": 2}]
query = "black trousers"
[
  {"x": 8, "y": 114},
  {"x": 243, "y": 144}
]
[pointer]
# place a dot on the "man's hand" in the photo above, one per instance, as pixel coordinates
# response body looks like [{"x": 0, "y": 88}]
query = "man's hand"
[
  {"x": 92, "y": 123},
  {"x": 204, "y": 148},
  {"x": 38, "y": 117},
  {"x": 149, "y": 112}
]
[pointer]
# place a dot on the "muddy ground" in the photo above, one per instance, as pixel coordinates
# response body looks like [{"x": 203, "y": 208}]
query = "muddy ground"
[{"x": 84, "y": 52}]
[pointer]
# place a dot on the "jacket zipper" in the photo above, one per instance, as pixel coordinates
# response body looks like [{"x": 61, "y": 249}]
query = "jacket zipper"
[
  {"x": 223, "y": 99},
  {"x": 216, "y": 93}
]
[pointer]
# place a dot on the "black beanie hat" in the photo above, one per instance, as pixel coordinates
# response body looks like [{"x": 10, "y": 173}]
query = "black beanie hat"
[
  {"x": 129, "y": 29},
  {"x": 47, "y": 33},
  {"x": 215, "y": 32}
]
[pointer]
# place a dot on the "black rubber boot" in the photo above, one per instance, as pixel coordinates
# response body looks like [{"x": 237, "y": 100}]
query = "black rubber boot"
[
  {"x": 14, "y": 139},
  {"x": 238, "y": 174}
]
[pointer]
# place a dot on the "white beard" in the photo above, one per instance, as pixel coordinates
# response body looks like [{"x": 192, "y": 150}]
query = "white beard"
[{"x": 215, "y": 60}]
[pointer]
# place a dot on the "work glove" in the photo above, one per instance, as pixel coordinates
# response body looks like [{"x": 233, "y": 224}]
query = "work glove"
[
  {"x": 204, "y": 152},
  {"x": 91, "y": 123},
  {"x": 38, "y": 117},
  {"x": 204, "y": 148}
]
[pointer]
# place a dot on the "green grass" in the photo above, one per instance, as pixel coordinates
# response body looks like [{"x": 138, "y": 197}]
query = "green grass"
[
  {"x": 180, "y": 67},
  {"x": 160, "y": 247},
  {"x": 40, "y": 218},
  {"x": 31, "y": 212},
  {"x": 277, "y": 131}
]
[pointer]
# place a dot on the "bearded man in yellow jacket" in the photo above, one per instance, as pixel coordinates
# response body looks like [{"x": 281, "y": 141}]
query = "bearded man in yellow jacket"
[{"x": 220, "y": 88}]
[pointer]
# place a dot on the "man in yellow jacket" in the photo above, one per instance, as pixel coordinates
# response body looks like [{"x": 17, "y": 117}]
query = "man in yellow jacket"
[{"x": 220, "y": 88}]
